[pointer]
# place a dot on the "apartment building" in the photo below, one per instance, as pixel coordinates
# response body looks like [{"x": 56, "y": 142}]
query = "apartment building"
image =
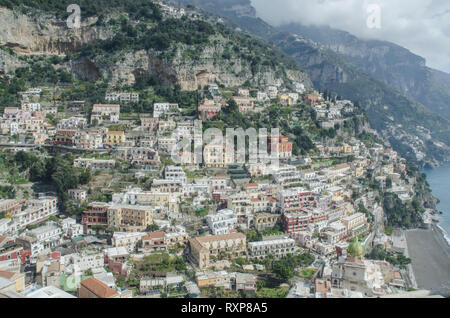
[
  {"x": 149, "y": 123},
  {"x": 77, "y": 194},
  {"x": 160, "y": 109},
  {"x": 355, "y": 224},
  {"x": 294, "y": 199},
  {"x": 95, "y": 214},
  {"x": 244, "y": 104},
  {"x": 114, "y": 138},
  {"x": 294, "y": 222},
  {"x": 265, "y": 221},
  {"x": 154, "y": 242},
  {"x": 48, "y": 236},
  {"x": 217, "y": 156},
  {"x": 64, "y": 137},
  {"x": 88, "y": 140},
  {"x": 222, "y": 279},
  {"x": 129, "y": 240},
  {"x": 227, "y": 245},
  {"x": 129, "y": 218},
  {"x": 122, "y": 97},
  {"x": 78, "y": 263},
  {"x": 278, "y": 247},
  {"x": 72, "y": 123},
  {"x": 94, "y": 164},
  {"x": 208, "y": 111},
  {"x": 105, "y": 112},
  {"x": 221, "y": 222},
  {"x": 287, "y": 175},
  {"x": 175, "y": 173},
  {"x": 37, "y": 210},
  {"x": 70, "y": 227}
]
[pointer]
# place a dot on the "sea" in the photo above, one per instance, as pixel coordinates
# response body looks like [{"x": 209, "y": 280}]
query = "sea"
[{"x": 439, "y": 181}]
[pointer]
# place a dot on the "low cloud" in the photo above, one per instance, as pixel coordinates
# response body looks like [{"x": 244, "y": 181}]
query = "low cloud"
[{"x": 422, "y": 26}]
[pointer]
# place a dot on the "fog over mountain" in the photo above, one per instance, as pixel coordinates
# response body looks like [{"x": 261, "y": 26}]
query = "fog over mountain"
[{"x": 422, "y": 26}]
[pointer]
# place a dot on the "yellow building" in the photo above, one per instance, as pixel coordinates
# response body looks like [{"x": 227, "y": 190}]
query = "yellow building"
[
  {"x": 346, "y": 148},
  {"x": 225, "y": 246},
  {"x": 114, "y": 138},
  {"x": 205, "y": 280},
  {"x": 285, "y": 100},
  {"x": 17, "y": 279},
  {"x": 130, "y": 218}
]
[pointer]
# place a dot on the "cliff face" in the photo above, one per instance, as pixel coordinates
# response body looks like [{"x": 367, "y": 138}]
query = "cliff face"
[
  {"x": 43, "y": 34},
  {"x": 233, "y": 71}
]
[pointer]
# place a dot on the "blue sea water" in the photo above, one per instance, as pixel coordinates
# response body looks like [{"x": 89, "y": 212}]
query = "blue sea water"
[{"x": 439, "y": 180}]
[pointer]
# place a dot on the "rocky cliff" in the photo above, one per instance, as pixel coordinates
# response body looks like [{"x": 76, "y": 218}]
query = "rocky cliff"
[{"x": 45, "y": 34}]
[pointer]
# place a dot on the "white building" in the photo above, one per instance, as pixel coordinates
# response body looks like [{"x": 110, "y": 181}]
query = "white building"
[
  {"x": 129, "y": 240},
  {"x": 123, "y": 97},
  {"x": 78, "y": 263},
  {"x": 72, "y": 123},
  {"x": 164, "y": 108},
  {"x": 272, "y": 92},
  {"x": 48, "y": 236},
  {"x": 94, "y": 164},
  {"x": 31, "y": 107},
  {"x": 175, "y": 173},
  {"x": 36, "y": 211},
  {"x": 4, "y": 225},
  {"x": 278, "y": 247},
  {"x": 287, "y": 175},
  {"x": 71, "y": 228},
  {"x": 221, "y": 222},
  {"x": 78, "y": 194}
]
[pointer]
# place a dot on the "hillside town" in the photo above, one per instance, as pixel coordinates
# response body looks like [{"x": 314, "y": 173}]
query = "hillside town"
[
  {"x": 143, "y": 226},
  {"x": 100, "y": 200}
]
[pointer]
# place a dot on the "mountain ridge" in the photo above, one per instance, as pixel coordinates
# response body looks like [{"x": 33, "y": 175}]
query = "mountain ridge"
[{"x": 388, "y": 62}]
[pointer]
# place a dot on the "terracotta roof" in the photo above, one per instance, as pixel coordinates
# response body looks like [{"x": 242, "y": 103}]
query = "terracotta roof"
[
  {"x": 153, "y": 235},
  {"x": 197, "y": 245},
  {"x": 210, "y": 238},
  {"x": 98, "y": 288},
  {"x": 354, "y": 260}
]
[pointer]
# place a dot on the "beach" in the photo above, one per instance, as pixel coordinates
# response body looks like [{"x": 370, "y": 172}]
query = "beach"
[{"x": 430, "y": 255}]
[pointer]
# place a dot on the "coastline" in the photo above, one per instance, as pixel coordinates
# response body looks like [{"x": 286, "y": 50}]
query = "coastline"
[
  {"x": 443, "y": 232},
  {"x": 429, "y": 251}
]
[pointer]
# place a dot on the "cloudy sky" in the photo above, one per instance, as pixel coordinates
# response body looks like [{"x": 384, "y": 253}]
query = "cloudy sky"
[{"x": 422, "y": 26}]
